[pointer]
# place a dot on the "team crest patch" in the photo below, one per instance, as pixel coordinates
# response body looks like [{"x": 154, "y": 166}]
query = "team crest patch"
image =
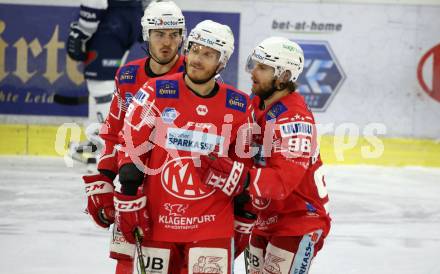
[
  {"x": 127, "y": 74},
  {"x": 235, "y": 100},
  {"x": 169, "y": 115},
  {"x": 167, "y": 89},
  {"x": 128, "y": 98},
  {"x": 275, "y": 111},
  {"x": 141, "y": 97}
]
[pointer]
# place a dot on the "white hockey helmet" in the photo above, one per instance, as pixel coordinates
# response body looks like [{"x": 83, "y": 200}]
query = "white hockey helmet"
[
  {"x": 213, "y": 35},
  {"x": 279, "y": 53},
  {"x": 162, "y": 15}
]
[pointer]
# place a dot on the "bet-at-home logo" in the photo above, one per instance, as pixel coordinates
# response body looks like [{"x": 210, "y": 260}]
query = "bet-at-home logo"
[{"x": 322, "y": 75}]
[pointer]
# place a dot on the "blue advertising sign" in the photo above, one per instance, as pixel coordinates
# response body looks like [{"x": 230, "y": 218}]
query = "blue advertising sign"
[
  {"x": 34, "y": 65},
  {"x": 322, "y": 75}
]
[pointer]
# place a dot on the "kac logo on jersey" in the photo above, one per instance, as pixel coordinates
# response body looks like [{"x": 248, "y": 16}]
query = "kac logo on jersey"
[
  {"x": 169, "y": 115},
  {"x": 260, "y": 203},
  {"x": 276, "y": 110},
  {"x": 127, "y": 74},
  {"x": 322, "y": 75},
  {"x": 178, "y": 180},
  {"x": 202, "y": 110},
  {"x": 167, "y": 89},
  {"x": 235, "y": 100}
]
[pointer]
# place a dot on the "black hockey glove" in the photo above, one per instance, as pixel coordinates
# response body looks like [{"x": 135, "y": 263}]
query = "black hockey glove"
[{"x": 76, "y": 42}]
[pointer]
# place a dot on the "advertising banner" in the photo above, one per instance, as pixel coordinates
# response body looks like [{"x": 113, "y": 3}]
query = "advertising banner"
[
  {"x": 364, "y": 63},
  {"x": 34, "y": 65}
]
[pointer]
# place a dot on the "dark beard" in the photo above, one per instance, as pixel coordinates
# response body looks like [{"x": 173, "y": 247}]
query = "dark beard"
[{"x": 267, "y": 93}]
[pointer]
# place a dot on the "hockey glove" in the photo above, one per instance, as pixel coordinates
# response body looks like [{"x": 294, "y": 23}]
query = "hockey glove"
[
  {"x": 99, "y": 190},
  {"x": 76, "y": 42},
  {"x": 229, "y": 176},
  {"x": 245, "y": 217},
  {"x": 132, "y": 214}
]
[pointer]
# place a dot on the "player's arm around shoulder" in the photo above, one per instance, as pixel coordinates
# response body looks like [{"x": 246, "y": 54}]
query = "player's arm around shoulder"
[
  {"x": 242, "y": 149},
  {"x": 287, "y": 153}
]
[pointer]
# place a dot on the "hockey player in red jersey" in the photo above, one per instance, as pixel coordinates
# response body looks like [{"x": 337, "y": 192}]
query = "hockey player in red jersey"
[
  {"x": 103, "y": 33},
  {"x": 187, "y": 226},
  {"x": 287, "y": 183},
  {"x": 163, "y": 27}
]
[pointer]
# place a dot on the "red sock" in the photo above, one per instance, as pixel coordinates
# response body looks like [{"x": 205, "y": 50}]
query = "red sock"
[{"x": 124, "y": 267}]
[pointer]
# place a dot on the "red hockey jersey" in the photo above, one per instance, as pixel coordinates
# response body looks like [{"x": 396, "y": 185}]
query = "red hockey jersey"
[
  {"x": 287, "y": 184},
  {"x": 128, "y": 80},
  {"x": 167, "y": 126}
]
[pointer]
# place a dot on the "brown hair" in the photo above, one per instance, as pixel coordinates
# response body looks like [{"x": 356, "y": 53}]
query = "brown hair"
[{"x": 291, "y": 86}]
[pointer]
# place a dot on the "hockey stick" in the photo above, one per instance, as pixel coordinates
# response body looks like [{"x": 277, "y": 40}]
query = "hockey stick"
[
  {"x": 83, "y": 153},
  {"x": 71, "y": 100},
  {"x": 246, "y": 259},
  {"x": 140, "y": 256}
]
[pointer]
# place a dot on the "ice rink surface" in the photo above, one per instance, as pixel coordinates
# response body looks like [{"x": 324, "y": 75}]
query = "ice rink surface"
[{"x": 385, "y": 220}]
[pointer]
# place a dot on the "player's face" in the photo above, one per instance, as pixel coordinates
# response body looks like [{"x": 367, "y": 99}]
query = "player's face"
[
  {"x": 164, "y": 44},
  {"x": 202, "y": 63},
  {"x": 262, "y": 78}
]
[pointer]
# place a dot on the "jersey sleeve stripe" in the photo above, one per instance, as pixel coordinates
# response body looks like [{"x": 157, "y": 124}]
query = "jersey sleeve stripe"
[{"x": 255, "y": 182}]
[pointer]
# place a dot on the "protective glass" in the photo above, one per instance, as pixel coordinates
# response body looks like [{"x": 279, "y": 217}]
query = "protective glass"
[{"x": 257, "y": 56}]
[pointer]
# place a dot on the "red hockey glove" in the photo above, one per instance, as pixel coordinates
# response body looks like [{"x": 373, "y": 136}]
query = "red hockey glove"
[
  {"x": 245, "y": 217},
  {"x": 99, "y": 190},
  {"x": 131, "y": 214},
  {"x": 229, "y": 176}
]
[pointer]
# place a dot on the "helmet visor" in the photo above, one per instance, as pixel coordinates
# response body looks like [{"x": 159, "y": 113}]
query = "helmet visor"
[
  {"x": 257, "y": 56},
  {"x": 203, "y": 52}
]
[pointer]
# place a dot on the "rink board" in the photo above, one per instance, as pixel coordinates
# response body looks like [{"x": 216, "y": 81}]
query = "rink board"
[
  {"x": 34, "y": 66},
  {"x": 371, "y": 63}
]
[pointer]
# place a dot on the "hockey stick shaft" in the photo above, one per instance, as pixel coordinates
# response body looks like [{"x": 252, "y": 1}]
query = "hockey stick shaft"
[
  {"x": 246, "y": 259},
  {"x": 71, "y": 100},
  {"x": 140, "y": 255}
]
